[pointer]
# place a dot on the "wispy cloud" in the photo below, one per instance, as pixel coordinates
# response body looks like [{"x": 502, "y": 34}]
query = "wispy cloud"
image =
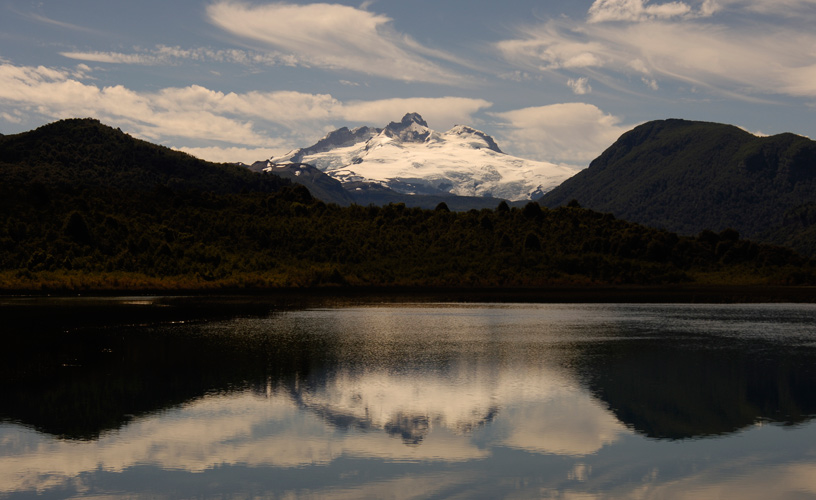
[
  {"x": 113, "y": 57},
  {"x": 61, "y": 24},
  {"x": 745, "y": 56},
  {"x": 164, "y": 55},
  {"x": 336, "y": 37},
  {"x": 579, "y": 86},
  {"x": 553, "y": 46},
  {"x": 644, "y": 10},
  {"x": 778, "y": 8}
]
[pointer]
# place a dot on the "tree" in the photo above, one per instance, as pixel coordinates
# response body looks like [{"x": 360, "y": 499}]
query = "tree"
[
  {"x": 76, "y": 229},
  {"x": 531, "y": 210},
  {"x": 531, "y": 242}
]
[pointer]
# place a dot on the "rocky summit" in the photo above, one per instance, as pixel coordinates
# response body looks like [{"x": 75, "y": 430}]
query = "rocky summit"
[{"x": 411, "y": 158}]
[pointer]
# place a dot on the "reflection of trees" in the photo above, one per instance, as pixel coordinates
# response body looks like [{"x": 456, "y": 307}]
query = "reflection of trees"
[
  {"x": 685, "y": 391},
  {"x": 83, "y": 382},
  {"x": 98, "y": 381},
  {"x": 80, "y": 384},
  {"x": 79, "y": 368}
]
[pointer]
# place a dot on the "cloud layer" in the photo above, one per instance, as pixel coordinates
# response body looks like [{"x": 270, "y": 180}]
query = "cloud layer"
[
  {"x": 625, "y": 41},
  {"x": 249, "y": 126},
  {"x": 644, "y": 10},
  {"x": 186, "y": 116},
  {"x": 608, "y": 58},
  {"x": 335, "y": 37},
  {"x": 569, "y": 132}
]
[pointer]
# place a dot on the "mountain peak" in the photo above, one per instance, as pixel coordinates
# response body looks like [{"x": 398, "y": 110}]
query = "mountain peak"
[
  {"x": 410, "y": 118},
  {"x": 464, "y": 130},
  {"x": 411, "y": 158},
  {"x": 412, "y": 128}
]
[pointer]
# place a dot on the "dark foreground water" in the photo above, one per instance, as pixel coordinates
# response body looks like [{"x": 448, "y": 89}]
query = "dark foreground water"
[{"x": 135, "y": 398}]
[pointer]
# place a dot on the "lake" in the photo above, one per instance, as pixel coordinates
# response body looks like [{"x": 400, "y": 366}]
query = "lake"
[{"x": 152, "y": 397}]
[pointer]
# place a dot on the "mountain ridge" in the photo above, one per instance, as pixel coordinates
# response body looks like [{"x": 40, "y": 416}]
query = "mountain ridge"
[
  {"x": 690, "y": 176},
  {"x": 86, "y": 207},
  {"x": 50, "y": 155},
  {"x": 410, "y": 158}
]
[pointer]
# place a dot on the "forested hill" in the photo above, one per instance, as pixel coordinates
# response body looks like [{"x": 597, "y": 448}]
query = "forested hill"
[
  {"x": 86, "y": 207},
  {"x": 688, "y": 176},
  {"x": 83, "y": 153}
]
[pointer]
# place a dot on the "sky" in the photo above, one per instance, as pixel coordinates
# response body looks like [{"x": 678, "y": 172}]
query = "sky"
[{"x": 551, "y": 80}]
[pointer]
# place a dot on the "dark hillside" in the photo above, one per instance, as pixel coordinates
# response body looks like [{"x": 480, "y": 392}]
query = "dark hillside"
[
  {"x": 688, "y": 176},
  {"x": 83, "y": 153},
  {"x": 86, "y": 207}
]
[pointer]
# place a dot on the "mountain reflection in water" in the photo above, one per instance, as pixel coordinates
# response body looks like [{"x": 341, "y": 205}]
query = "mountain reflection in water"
[{"x": 413, "y": 384}]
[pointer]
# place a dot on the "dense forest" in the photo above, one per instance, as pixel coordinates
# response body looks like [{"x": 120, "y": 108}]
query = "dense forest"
[
  {"x": 688, "y": 176},
  {"x": 84, "y": 206}
]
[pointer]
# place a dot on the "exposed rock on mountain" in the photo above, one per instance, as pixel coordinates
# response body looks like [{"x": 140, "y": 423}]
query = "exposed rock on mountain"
[
  {"x": 319, "y": 184},
  {"x": 410, "y": 158}
]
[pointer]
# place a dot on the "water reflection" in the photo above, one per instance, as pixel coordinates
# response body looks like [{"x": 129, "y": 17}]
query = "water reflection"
[
  {"x": 538, "y": 410},
  {"x": 707, "y": 370},
  {"x": 276, "y": 428},
  {"x": 419, "y": 401}
]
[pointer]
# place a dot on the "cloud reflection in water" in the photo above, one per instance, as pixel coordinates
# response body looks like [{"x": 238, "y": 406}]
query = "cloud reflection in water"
[{"x": 411, "y": 402}]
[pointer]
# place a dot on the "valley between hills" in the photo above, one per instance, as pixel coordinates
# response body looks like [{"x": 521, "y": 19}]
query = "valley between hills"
[{"x": 670, "y": 205}]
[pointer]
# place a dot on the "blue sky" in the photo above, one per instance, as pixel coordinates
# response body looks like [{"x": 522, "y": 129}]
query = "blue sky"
[{"x": 554, "y": 80}]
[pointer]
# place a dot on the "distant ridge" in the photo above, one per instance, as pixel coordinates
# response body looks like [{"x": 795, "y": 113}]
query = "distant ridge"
[{"x": 689, "y": 176}]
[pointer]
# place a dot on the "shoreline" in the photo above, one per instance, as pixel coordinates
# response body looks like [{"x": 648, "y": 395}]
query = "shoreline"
[{"x": 692, "y": 294}]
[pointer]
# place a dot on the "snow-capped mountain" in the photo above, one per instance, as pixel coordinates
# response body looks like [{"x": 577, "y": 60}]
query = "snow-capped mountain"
[{"x": 410, "y": 158}]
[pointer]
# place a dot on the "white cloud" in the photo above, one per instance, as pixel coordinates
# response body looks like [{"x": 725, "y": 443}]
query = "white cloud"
[
  {"x": 547, "y": 48},
  {"x": 11, "y": 117},
  {"x": 635, "y": 10},
  {"x": 334, "y": 37},
  {"x": 249, "y": 126},
  {"x": 648, "y": 10},
  {"x": 741, "y": 60},
  {"x": 440, "y": 113},
  {"x": 569, "y": 132},
  {"x": 233, "y": 154},
  {"x": 212, "y": 121},
  {"x": 579, "y": 86},
  {"x": 651, "y": 83}
]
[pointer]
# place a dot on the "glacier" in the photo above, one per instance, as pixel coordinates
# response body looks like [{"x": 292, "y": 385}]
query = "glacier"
[{"x": 411, "y": 158}]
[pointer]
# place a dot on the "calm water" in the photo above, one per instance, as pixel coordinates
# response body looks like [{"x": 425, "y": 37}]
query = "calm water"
[{"x": 408, "y": 401}]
